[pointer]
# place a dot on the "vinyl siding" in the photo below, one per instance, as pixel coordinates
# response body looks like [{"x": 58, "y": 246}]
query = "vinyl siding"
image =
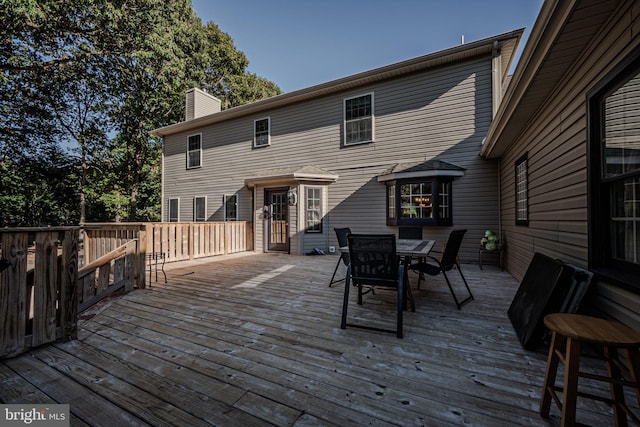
[
  {"x": 443, "y": 113},
  {"x": 556, "y": 142}
]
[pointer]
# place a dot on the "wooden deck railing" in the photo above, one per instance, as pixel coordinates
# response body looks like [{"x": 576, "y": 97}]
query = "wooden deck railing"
[
  {"x": 38, "y": 293},
  {"x": 178, "y": 241},
  {"x": 51, "y": 276}
]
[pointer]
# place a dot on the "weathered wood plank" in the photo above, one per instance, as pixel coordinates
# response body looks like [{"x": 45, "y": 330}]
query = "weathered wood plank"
[
  {"x": 255, "y": 340},
  {"x": 13, "y": 294}
]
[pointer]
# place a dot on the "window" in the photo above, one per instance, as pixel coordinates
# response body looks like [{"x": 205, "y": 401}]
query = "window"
[
  {"x": 424, "y": 202},
  {"x": 358, "y": 119},
  {"x": 231, "y": 207},
  {"x": 522, "y": 190},
  {"x": 614, "y": 113},
  {"x": 200, "y": 209},
  {"x": 391, "y": 201},
  {"x": 313, "y": 210},
  {"x": 194, "y": 151},
  {"x": 174, "y": 208},
  {"x": 262, "y": 132}
]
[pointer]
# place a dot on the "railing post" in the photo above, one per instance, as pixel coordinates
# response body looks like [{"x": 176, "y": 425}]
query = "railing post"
[
  {"x": 140, "y": 258},
  {"x": 68, "y": 286}
]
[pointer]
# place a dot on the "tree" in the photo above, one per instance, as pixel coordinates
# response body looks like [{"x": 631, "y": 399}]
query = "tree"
[{"x": 97, "y": 76}]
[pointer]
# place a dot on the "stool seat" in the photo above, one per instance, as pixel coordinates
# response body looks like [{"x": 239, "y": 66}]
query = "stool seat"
[
  {"x": 592, "y": 330},
  {"x": 607, "y": 336}
]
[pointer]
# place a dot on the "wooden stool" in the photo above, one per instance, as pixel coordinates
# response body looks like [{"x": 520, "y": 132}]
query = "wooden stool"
[{"x": 610, "y": 336}]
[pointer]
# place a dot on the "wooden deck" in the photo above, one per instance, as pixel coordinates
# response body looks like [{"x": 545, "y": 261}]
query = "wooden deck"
[{"x": 255, "y": 340}]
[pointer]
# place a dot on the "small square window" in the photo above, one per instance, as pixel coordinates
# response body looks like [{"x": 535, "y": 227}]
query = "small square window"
[
  {"x": 174, "y": 208},
  {"x": 194, "y": 151},
  {"x": 200, "y": 209},
  {"x": 262, "y": 132},
  {"x": 358, "y": 119},
  {"x": 522, "y": 191},
  {"x": 231, "y": 207}
]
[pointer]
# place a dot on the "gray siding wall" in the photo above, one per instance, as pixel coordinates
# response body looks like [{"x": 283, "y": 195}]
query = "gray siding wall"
[
  {"x": 443, "y": 113},
  {"x": 556, "y": 142}
]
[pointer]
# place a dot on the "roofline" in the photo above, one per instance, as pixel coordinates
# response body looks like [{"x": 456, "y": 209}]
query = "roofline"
[
  {"x": 421, "y": 63},
  {"x": 548, "y": 25}
]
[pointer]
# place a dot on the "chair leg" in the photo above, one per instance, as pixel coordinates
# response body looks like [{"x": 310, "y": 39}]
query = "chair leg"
[
  {"x": 345, "y": 302},
  {"x": 401, "y": 302},
  {"x": 331, "y": 282},
  {"x": 459, "y": 304}
]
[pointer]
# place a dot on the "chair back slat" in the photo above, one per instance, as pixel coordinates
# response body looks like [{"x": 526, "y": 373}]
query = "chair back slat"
[
  {"x": 373, "y": 259},
  {"x": 451, "y": 250},
  {"x": 341, "y": 234}
]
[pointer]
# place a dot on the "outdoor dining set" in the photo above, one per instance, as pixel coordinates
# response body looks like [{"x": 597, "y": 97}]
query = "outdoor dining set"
[{"x": 382, "y": 260}]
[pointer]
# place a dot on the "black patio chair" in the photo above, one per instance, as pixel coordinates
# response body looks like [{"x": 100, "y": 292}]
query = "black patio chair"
[
  {"x": 374, "y": 262},
  {"x": 341, "y": 234},
  {"x": 447, "y": 262}
]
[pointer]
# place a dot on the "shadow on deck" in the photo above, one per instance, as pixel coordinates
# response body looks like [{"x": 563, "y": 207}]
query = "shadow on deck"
[{"x": 255, "y": 340}]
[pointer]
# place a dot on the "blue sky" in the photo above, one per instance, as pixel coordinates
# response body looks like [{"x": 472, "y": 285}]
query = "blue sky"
[{"x": 301, "y": 43}]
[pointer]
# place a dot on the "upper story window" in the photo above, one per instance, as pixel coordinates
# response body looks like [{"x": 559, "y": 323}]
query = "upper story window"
[
  {"x": 231, "y": 207},
  {"x": 522, "y": 190},
  {"x": 614, "y": 113},
  {"x": 174, "y": 209},
  {"x": 358, "y": 119},
  {"x": 262, "y": 132},
  {"x": 313, "y": 210},
  {"x": 200, "y": 209},
  {"x": 194, "y": 151}
]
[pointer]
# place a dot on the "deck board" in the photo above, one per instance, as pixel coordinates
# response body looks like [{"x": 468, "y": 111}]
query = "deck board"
[{"x": 255, "y": 340}]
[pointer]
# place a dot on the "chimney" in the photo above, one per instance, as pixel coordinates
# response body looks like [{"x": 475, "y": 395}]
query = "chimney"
[{"x": 199, "y": 103}]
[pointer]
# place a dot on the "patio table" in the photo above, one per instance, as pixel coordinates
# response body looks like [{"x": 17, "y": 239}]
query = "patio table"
[{"x": 408, "y": 248}]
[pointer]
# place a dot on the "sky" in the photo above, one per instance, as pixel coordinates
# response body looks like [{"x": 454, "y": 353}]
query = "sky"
[{"x": 300, "y": 43}]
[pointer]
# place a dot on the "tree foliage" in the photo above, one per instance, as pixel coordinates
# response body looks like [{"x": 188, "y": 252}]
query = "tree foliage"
[{"x": 81, "y": 85}]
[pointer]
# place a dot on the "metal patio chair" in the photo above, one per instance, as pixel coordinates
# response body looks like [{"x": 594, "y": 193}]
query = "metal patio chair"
[
  {"x": 448, "y": 261},
  {"x": 341, "y": 234},
  {"x": 374, "y": 262}
]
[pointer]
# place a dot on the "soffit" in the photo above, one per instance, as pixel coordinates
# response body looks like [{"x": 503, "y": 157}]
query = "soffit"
[{"x": 561, "y": 33}]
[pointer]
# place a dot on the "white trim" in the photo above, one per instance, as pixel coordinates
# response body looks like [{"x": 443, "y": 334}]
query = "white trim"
[
  {"x": 306, "y": 208},
  {"x": 224, "y": 206},
  {"x": 169, "y": 210},
  {"x": 195, "y": 219},
  {"x": 255, "y": 141},
  {"x": 344, "y": 119},
  {"x": 189, "y": 136}
]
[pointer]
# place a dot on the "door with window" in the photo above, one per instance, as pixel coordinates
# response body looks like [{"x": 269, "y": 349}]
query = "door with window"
[{"x": 277, "y": 220}]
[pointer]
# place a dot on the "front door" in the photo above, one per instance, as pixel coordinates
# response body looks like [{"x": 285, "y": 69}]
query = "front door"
[{"x": 277, "y": 220}]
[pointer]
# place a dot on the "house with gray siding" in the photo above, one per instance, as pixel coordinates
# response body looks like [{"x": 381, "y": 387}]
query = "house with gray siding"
[
  {"x": 567, "y": 139},
  {"x": 387, "y": 148}
]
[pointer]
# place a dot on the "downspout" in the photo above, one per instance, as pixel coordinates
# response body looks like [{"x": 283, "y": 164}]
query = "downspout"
[{"x": 496, "y": 71}]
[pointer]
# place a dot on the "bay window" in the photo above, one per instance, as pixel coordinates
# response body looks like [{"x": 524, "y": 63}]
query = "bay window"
[{"x": 421, "y": 202}]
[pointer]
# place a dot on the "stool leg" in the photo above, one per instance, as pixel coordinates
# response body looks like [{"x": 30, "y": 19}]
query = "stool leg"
[
  {"x": 633, "y": 357},
  {"x": 617, "y": 394},
  {"x": 570, "y": 394},
  {"x": 550, "y": 375}
]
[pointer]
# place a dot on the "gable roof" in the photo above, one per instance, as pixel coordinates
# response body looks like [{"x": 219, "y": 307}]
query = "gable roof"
[
  {"x": 507, "y": 43},
  {"x": 429, "y": 168},
  {"x": 560, "y": 34},
  {"x": 308, "y": 173}
]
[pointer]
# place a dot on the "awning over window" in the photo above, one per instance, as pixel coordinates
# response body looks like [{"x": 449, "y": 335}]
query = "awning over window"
[
  {"x": 430, "y": 168},
  {"x": 285, "y": 176}
]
